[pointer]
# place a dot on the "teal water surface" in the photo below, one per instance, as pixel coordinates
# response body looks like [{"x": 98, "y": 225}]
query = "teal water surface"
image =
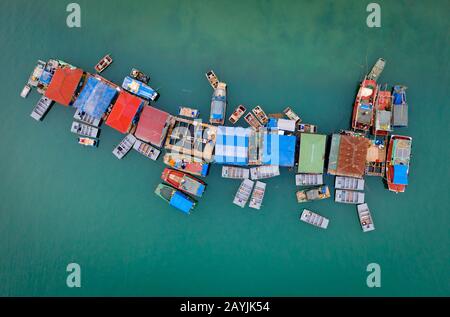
[{"x": 62, "y": 203}]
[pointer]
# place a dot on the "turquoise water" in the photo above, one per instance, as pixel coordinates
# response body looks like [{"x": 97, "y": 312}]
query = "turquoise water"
[{"x": 62, "y": 203}]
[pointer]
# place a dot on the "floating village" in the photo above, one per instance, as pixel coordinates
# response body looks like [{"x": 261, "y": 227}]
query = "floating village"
[{"x": 249, "y": 154}]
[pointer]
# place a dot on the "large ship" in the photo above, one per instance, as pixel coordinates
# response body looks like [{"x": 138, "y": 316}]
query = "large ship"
[
  {"x": 364, "y": 105},
  {"x": 175, "y": 198},
  {"x": 397, "y": 163},
  {"x": 184, "y": 182},
  {"x": 219, "y": 104}
]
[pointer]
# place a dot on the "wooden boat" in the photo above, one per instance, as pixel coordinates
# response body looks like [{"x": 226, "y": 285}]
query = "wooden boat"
[
  {"x": 348, "y": 196},
  {"x": 314, "y": 219},
  {"x": 365, "y": 218},
  {"x": 33, "y": 80},
  {"x": 184, "y": 182},
  {"x": 305, "y": 179},
  {"x": 397, "y": 163},
  {"x": 25, "y": 91},
  {"x": 138, "y": 75},
  {"x": 188, "y": 112},
  {"x": 377, "y": 69},
  {"x": 139, "y": 88},
  {"x": 260, "y": 115},
  {"x": 235, "y": 172},
  {"x": 264, "y": 171},
  {"x": 243, "y": 193},
  {"x": 175, "y": 198},
  {"x": 352, "y": 183},
  {"x": 85, "y": 118},
  {"x": 383, "y": 114},
  {"x": 316, "y": 193},
  {"x": 146, "y": 150},
  {"x": 237, "y": 114},
  {"x": 362, "y": 118},
  {"x": 84, "y": 129},
  {"x": 258, "y": 195},
  {"x": 187, "y": 164},
  {"x": 124, "y": 146},
  {"x": 88, "y": 142},
  {"x": 41, "y": 108},
  {"x": 252, "y": 121},
  {"x": 212, "y": 78},
  {"x": 399, "y": 106},
  {"x": 276, "y": 115},
  {"x": 103, "y": 63},
  {"x": 292, "y": 115},
  {"x": 307, "y": 128},
  {"x": 218, "y": 104}
]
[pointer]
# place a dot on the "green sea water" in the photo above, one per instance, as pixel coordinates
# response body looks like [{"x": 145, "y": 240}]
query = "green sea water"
[{"x": 62, "y": 203}]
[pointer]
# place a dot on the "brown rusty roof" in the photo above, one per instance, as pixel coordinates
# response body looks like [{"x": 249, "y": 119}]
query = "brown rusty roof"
[{"x": 352, "y": 156}]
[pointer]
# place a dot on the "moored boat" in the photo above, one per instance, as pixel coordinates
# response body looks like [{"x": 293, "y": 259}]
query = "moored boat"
[
  {"x": 33, "y": 81},
  {"x": 84, "y": 129},
  {"x": 218, "y": 104},
  {"x": 187, "y": 164},
  {"x": 103, "y": 63},
  {"x": 399, "y": 106},
  {"x": 243, "y": 193},
  {"x": 87, "y": 142},
  {"x": 397, "y": 163},
  {"x": 264, "y": 171},
  {"x": 235, "y": 172},
  {"x": 377, "y": 69},
  {"x": 85, "y": 118},
  {"x": 362, "y": 118},
  {"x": 188, "y": 112},
  {"x": 292, "y": 115},
  {"x": 316, "y": 193},
  {"x": 184, "y": 182},
  {"x": 175, "y": 198},
  {"x": 260, "y": 115},
  {"x": 212, "y": 79},
  {"x": 348, "y": 196},
  {"x": 146, "y": 150},
  {"x": 258, "y": 195},
  {"x": 365, "y": 218},
  {"x": 352, "y": 183},
  {"x": 252, "y": 121},
  {"x": 383, "y": 114},
  {"x": 307, "y": 179},
  {"x": 139, "y": 88},
  {"x": 41, "y": 108},
  {"x": 25, "y": 91},
  {"x": 307, "y": 128},
  {"x": 138, "y": 75},
  {"x": 314, "y": 219},
  {"x": 124, "y": 146},
  {"x": 237, "y": 114}
]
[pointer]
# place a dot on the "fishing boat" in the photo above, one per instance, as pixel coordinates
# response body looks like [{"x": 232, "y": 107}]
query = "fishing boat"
[
  {"x": 175, "y": 198},
  {"x": 47, "y": 75},
  {"x": 33, "y": 80},
  {"x": 218, "y": 104},
  {"x": 235, "y": 172},
  {"x": 237, "y": 114},
  {"x": 252, "y": 121},
  {"x": 188, "y": 112},
  {"x": 399, "y": 106},
  {"x": 146, "y": 150},
  {"x": 292, "y": 115},
  {"x": 316, "y": 193},
  {"x": 88, "y": 142},
  {"x": 187, "y": 164},
  {"x": 243, "y": 193},
  {"x": 25, "y": 91},
  {"x": 306, "y": 179},
  {"x": 264, "y": 171},
  {"x": 352, "y": 183},
  {"x": 307, "y": 128},
  {"x": 84, "y": 129},
  {"x": 348, "y": 196},
  {"x": 138, "y": 75},
  {"x": 314, "y": 219},
  {"x": 139, "y": 88},
  {"x": 41, "y": 108},
  {"x": 258, "y": 195},
  {"x": 365, "y": 218},
  {"x": 85, "y": 118},
  {"x": 103, "y": 63},
  {"x": 377, "y": 69},
  {"x": 124, "y": 146},
  {"x": 397, "y": 163},
  {"x": 260, "y": 115},
  {"x": 383, "y": 114},
  {"x": 184, "y": 182},
  {"x": 362, "y": 118},
  {"x": 212, "y": 78}
]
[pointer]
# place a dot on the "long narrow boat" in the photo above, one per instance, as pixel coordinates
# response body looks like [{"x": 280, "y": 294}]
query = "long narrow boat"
[
  {"x": 383, "y": 114},
  {"x": 218, "y": 104},
  {"x": 397, "y": 163},
  {"x": 235, "y": 172},
  {"x": 348, "y": 196},
  {"x": 316, "y": 193},
  {"x": 124, "y": 146},
  {"x": 243, "y": 193},
  {"x": 292, "y": 115},
  {"x": 175, "y": 198},
  {"x": 252, "y": 121},
  {"x": 146, "y": 150},
  {"x": 88, "y": 142},
  {"x": 188, "y": 112},
  {"x": 258, "y": 195},
  {"x": 305, "y": 179},
  {"x": 184, "y": 182},
  {"x": 212, "y": 79},
  {"x": 314, "y": 219},
  {"x": 399, "y": 106},
  {"x": 25, "y": 91},
  {"x": 85, "y": 118},
  {"x": 377, "y": 69},
  {"x": 352, "y": 183},
  {"x": 103, "y": 63},
  {"x": 362, "y": 118},
  {"x": 187, "y": 164},
  {"x": 307, "y": 128},
  {"x": 260, "y": 115},
  {"x": 237, "y": 114},
  {"x": 365, "y": 218},
  {"x": 139, "y": 88},
  {"x": 264, "y": 171},
  {"x": 84, "y": 129},
  {"x": 41, "y": 108}
]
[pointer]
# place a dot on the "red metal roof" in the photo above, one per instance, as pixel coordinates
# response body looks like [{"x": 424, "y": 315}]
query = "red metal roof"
[
  {"x": 123, "y": 112},
  {"x": 64, "y": 84},
  {"x": 352, "y": 156},
  {"x": 152, "y": 126}
]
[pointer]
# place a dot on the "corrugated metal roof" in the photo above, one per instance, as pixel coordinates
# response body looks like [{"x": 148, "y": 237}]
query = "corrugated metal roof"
[
  {"x": 352, "y": 156},
  {"x": 312, "y": 153},
  {"x": 152, "y": 125},
  {"x": 63, "y": 85},
  {"x": 123, "y": 112}
]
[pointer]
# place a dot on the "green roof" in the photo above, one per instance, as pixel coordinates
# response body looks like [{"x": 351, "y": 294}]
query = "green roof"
[{"x": 312, "y": 153}]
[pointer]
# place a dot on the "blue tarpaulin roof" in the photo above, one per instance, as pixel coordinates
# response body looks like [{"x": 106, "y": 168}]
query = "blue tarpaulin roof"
[
  {"x": 232, "y": 145},
  {"x": 279, "y": 150},
  {"x": 180, "y": 201},
  {"x": 400, "y": 175},
  {"x": 95, "y": 98}
]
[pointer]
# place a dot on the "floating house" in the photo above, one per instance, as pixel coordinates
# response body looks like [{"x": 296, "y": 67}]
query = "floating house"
[
  {"x": 64, "y": 85},
  {"x": 124, "y": 112},
  {"x": 312, "y": 153},
  {"x": 95, "y": 97},
  {"x": 152, "y": 126},
  {"x": 232, "y": 145},
  {"x": 279, "y": 149}
]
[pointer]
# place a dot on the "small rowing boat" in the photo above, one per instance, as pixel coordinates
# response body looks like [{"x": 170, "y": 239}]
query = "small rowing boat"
[
  {"x": 237, "y": 114},
  {"x": 103, "y": 63}
]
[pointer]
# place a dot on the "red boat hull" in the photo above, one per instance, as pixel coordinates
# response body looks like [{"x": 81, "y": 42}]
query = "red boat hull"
[{"x": 396, "y": 188}]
